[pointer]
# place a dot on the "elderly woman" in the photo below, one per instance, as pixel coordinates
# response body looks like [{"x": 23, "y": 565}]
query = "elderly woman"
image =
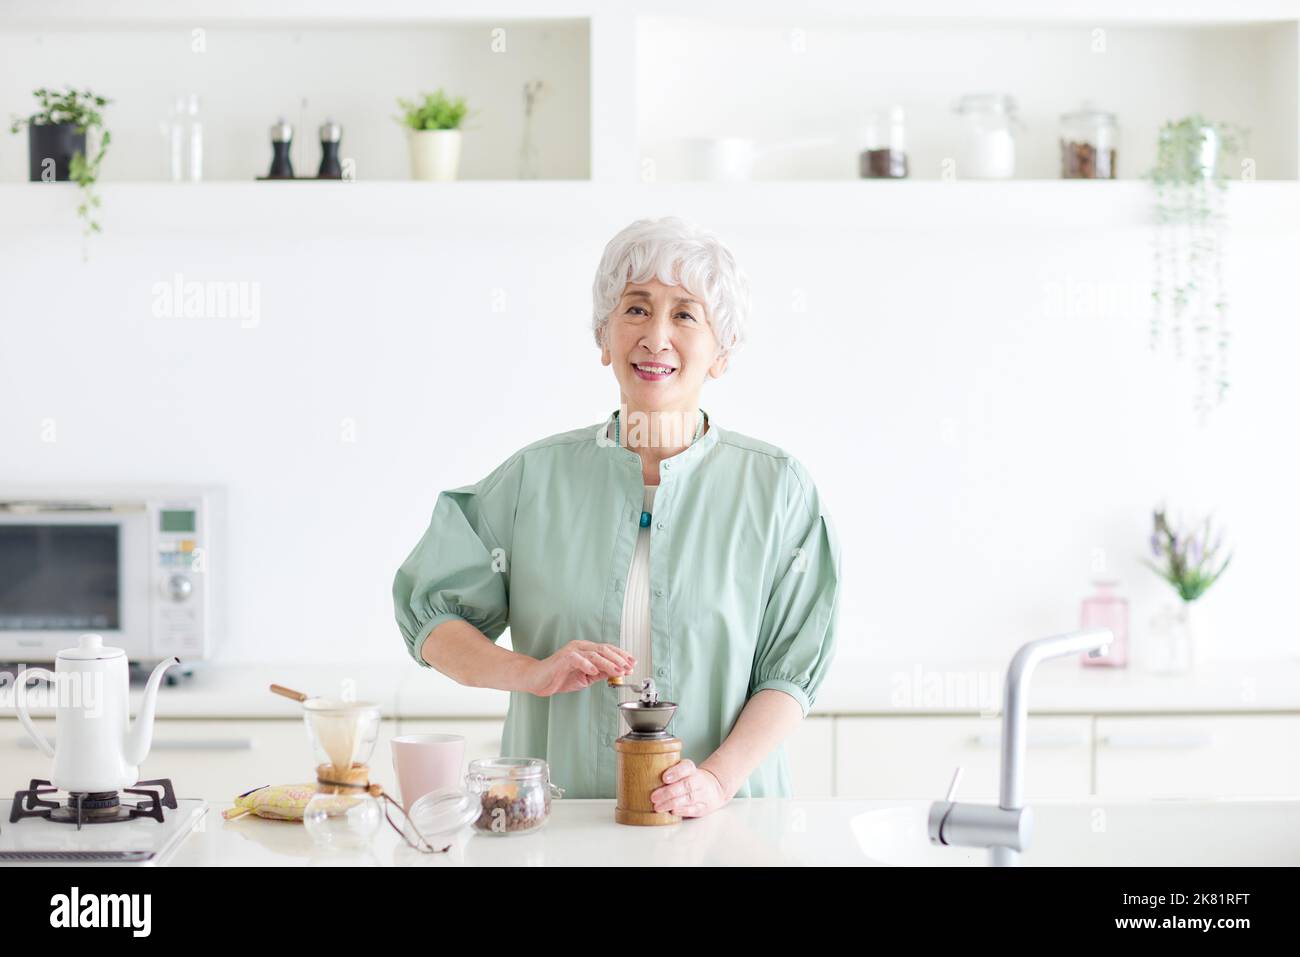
[{"x": 654, "y": 544}]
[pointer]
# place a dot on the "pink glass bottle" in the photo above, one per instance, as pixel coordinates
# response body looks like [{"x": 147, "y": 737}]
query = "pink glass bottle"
[{"x": 1106, "y": 609}]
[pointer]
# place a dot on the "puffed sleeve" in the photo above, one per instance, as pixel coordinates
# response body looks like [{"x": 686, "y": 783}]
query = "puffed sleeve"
[
  {"x": 796, "y": 640},
  {"x": 460, "y": 568}
]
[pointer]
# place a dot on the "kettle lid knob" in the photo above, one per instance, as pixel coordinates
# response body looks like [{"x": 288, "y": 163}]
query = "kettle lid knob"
[{"x": 90, "y": 647}]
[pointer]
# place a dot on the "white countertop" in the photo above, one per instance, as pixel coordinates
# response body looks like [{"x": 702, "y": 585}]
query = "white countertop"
[
  {"x": 854, "y": 687},
  {"x": 786, "y": 831}
]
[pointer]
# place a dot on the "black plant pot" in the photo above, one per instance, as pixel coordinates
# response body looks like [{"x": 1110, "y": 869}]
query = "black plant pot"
[{"x": 56, "y": 142}]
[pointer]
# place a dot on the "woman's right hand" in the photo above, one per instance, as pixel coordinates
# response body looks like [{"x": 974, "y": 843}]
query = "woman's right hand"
[{"x": 578, "y": 665}]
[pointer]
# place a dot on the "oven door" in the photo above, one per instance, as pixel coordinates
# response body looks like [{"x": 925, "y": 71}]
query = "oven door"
[{"x": 67, "y": 569}]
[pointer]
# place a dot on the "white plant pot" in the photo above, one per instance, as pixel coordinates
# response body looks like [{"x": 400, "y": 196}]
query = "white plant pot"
[{"x": 435, "y": 154}]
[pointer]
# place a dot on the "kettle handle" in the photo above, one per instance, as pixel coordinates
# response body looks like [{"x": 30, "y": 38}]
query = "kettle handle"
[{"x": 20, "y": 703}]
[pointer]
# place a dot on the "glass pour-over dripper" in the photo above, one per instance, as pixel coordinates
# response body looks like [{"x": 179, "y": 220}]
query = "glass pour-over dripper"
[
  {"x": 346, "y": 809},
  {"x": 342, "y": 813}
]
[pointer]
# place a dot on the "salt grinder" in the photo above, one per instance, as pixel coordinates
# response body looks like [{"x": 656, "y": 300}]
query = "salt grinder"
[
  {"x": 644, "y": 754},
  {"x": 281, "y": 139},
  {"x": 330, "y": 167}
]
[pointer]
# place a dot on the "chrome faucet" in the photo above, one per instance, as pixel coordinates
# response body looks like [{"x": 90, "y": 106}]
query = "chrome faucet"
[{"x": 1007, "y": 829}]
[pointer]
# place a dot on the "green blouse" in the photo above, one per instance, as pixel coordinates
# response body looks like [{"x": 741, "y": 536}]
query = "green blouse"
[{"x": 744, "y": 585}]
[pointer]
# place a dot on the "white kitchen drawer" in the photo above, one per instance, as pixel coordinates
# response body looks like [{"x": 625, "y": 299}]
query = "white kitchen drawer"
[
  {"x": 914, "y": 757},
  {"x": 215, "y": 760},
  {"x": 1218, "y": 756},
  {"x": 810, "y": 750}
]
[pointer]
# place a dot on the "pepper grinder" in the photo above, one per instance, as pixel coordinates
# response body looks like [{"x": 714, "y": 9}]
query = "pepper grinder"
[
  {"x": 644, "y": 754},
  {"x": 281, "y": 139},
  {"x": 330, "y": 134}
]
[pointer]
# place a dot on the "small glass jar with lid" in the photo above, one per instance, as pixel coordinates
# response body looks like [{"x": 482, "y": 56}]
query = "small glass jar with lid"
[
  {"x": 884, "y": 152},
  {"x": 1088, "y": 144},
  {"x": 513, "y": 794},
  {"x": 988, "y": 145}
]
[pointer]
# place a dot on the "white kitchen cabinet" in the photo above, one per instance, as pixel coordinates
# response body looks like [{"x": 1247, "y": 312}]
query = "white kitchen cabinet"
[
  {"x": 211, "y": 759},
  {"x": 1195, "y": 756},
  {"x": 20, "y": 759},
  {"x": 1254, "y": 755},
  {"x": 810, "y": 750},
  {"x": 914, "y": 757}
]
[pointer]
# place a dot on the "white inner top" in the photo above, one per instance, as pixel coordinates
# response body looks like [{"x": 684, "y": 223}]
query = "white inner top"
[{"x": 635, "y": 634}]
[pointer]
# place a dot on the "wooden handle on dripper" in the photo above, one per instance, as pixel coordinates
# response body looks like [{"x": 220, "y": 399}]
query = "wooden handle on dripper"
[{"x": 289, "y": 693}]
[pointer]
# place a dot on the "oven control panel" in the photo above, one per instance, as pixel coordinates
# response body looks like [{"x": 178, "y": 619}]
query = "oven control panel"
[{"x": 180, "y": 573}]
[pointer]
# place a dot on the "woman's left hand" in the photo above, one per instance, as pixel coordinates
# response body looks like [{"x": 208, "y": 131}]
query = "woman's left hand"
[{"x": 689, "y": 791}]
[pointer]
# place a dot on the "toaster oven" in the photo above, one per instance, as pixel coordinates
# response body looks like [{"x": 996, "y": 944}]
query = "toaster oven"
[{"x": 132, "y": 565}]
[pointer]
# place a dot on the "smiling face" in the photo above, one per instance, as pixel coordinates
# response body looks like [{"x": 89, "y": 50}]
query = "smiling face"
[{"x": 662, "y": 346}]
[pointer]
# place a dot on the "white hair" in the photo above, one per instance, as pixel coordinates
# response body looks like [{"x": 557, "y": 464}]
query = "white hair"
[{"x": 676, "y": 253}]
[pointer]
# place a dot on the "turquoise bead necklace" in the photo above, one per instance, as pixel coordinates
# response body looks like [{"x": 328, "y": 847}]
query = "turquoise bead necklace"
[{"x": 618, "y": 440}]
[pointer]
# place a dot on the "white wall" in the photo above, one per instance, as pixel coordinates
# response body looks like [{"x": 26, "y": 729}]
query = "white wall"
[{"x": 975, "y": 438}]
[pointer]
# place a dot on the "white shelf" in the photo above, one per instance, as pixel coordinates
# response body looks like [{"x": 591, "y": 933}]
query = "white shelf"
[
  {"x": 775, "y": 81},
  {"x": 628, "y": 81},
  {"x": 494, "y": 209},
  {"x": 188, "y": 12},
  {"x": 246, "y": 76}
]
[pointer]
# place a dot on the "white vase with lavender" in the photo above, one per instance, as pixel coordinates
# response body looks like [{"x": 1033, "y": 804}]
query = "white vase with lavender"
[{"x": 1180, "y": 635}]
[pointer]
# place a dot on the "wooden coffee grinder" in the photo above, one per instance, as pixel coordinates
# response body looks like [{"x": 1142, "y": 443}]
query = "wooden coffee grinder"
[{"x": 644, "y": 753}]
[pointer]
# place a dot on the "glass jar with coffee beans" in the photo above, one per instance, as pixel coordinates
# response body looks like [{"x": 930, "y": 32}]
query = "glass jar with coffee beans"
[
  {"x": 514, "y": 794},
  {"x": 884, "y": 155},
  {"x": 1088, "y": 147}
]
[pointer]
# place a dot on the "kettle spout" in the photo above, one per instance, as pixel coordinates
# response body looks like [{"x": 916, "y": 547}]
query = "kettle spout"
[{"x": 140, "y": 736}]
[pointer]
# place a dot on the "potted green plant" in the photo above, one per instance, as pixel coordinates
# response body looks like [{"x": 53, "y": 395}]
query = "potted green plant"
[
  {"x": 57, "y": 135},
  {"x": 1188, "y": 560},
  {"x": 1190, "y": 181},
  {"x": 433, "y": 126}
]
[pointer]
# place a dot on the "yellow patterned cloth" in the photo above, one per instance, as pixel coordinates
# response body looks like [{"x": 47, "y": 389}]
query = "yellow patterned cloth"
[{"x": 280, "y": 802}]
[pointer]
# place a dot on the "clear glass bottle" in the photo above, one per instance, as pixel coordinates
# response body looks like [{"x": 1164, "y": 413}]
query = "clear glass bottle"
[
  {"x": 513, "y": 794},
  {"x": 173, "y": 131},
  {"x": 884, "y": 152},
  {"x": 1107, "y": 609},
  {"x": 988, "y": 149},
  {"x": 195, "y": 137},
  {"x": 1088, "y": 144}
]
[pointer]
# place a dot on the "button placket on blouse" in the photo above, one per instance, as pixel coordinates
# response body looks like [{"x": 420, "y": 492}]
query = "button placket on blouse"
[
  {"x": 636, "y": 498},
  {"x": 669, "y": 481},
  {"x": 661, "y": 649},
  {"x": 659, "y": 554},
  {"x": 607, "y": 720}
]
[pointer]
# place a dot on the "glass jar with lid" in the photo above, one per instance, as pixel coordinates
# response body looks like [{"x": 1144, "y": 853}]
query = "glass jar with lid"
[
  {"x": 988, "y": 144},
  {"x": 1088, "y": 144},
  {"x": 884, "y": 151},
  {"x": 513, "y": 794}
]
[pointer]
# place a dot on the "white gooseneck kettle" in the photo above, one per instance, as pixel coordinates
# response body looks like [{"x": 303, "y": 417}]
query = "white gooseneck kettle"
[{"x": 98, "y": 749}]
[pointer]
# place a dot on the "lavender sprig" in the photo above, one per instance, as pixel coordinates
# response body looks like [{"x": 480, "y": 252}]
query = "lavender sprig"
[{"x": 1188, "y": 562}]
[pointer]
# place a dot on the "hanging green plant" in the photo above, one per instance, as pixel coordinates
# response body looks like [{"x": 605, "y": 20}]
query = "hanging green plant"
[
  {"x": 58, "y": 134},
  {"x": 1190, "y": 183}
]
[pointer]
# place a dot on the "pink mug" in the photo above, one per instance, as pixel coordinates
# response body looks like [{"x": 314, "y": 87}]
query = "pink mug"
[{"x": 427, "y": 762}]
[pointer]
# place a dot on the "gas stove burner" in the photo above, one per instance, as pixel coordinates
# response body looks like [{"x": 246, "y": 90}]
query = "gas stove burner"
[{"x": 94, "y": 807}]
